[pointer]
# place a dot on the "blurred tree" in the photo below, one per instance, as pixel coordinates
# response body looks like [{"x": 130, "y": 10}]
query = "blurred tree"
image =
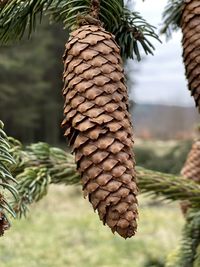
[{"x": 26, "y": 79}]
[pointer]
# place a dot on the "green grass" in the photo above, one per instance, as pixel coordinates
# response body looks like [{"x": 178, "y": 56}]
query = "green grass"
[{"x": 63, "y": 231}]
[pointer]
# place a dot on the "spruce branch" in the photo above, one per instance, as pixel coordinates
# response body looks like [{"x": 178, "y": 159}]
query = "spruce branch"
[
  {"x": 132, "y": 32},
  {"x": 37, "y": 182},
  {"x": 197, "y": 257},
  {"x": 187, "y": 253},
  {"x": 6, "y": 181},
  {"x": 19, "y": 18},
  {"x": 59, "y": 167},
  {"x": 168, "y": 186},
  {"x": 37, "y": 167},
  {"x": 172, "y": 17},
  {"x": 190, "y": 240}
]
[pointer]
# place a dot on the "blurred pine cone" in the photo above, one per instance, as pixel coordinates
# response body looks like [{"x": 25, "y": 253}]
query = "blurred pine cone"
[
  {"x": 191, "y": 46},
  {"x": 97, "y": 126},
  {"x": 191, "y": 170}
]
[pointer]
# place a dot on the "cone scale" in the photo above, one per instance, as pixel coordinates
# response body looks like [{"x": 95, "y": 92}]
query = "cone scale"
[
  {"x": 191, "y": 46},
  {"x": 98, "y": 127}
]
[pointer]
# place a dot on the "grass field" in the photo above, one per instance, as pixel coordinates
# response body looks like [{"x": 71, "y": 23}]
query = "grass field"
[{"x": 62, "y": 230}]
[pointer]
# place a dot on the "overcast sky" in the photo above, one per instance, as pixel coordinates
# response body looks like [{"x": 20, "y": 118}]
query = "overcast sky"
[{"x": 160, "y": 78}]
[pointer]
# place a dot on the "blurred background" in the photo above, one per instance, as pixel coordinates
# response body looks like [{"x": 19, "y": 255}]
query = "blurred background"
[{"x": 62, "y": 229}]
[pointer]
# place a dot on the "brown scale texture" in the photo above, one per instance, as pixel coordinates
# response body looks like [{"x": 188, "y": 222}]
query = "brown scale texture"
[
  {"x": 190, "y": 24},
  {"x": 191, "y": 170},
  {"x": 98, "y": 128}
]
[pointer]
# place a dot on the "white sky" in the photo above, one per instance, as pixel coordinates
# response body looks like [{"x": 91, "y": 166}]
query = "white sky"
[{"x": 160, "y": 78}]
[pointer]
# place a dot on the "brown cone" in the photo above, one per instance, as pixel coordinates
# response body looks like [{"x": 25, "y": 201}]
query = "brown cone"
[
  {"x": 190, "y": 25},
  {"x": 97, "y": 125},
  {"x": 191, "y": 170}
]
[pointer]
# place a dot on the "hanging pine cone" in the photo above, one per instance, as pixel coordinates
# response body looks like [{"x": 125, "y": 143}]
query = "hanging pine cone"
[
  {"x": 191, "y": 170},
  {"x": 97, "y": 126},
  {"x": 191, "y": 43}
]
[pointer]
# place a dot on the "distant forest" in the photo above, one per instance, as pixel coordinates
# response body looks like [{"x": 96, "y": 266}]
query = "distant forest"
[{"x": 31, "y": 83}]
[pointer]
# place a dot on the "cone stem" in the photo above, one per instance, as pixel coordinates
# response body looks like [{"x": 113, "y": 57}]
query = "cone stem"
[{"x": 95, "y": 8}]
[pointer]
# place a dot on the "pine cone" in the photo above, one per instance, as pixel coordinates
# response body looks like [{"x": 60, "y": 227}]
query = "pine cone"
[
  {"x": 191, "y": 170},
  {"x": 191, "y": 43},
  {"x": 97, "y": 126}
]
